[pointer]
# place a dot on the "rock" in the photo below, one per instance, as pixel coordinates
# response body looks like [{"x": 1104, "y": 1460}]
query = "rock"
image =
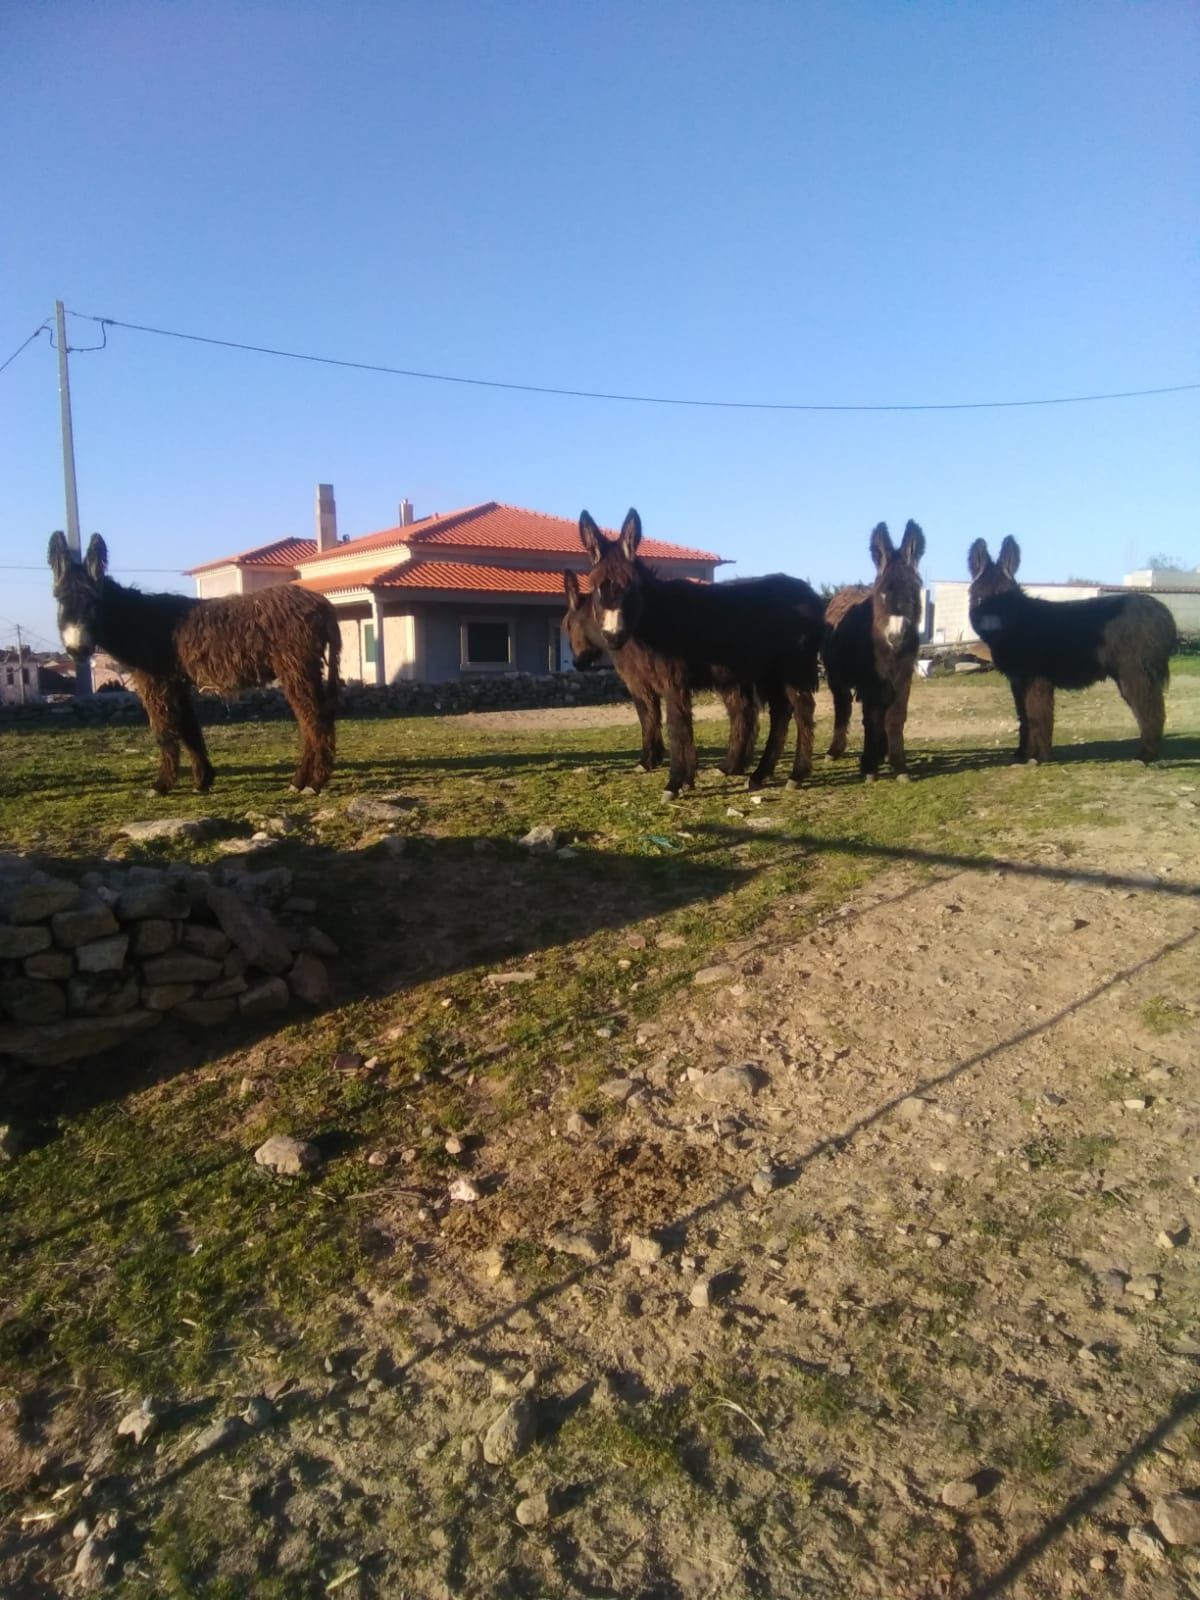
[
  {"x": 617, "y": 1090},
  {"x": 578, "y": 1125},
  {"x": 259, "y": 1411},
  {"x": 106, "y": 994},
  {"x": 533, "y": 1510},
  {"x": 86, "y": 922},
  {"x": 165, "y": 901},
  {"x": 1177, "y": 1517},
  {"x": 1173, "y": 1237},
  {"x": 721, "y": 973},
  {"x": 669, "y": 941},
  {"x": 365, "y": 808},
  {"x": 1052, "y": 1099},
  {"x": 711, "y": 1289},
  {"x": 911, "y": 1108},
  {"x": 309, "y": 979},
  {"x": 32, "y": 1001},
  {"x": 1146, "y": 1542},
  {"x": 270, "y": 995},
  {"x": 180, "y": 966},
  {"x": 541, "y": 840},
  {"x": 153, "y": 937},
  {"x": 225, "y": 989},
  {"x": 206, "y": 1013},
  {"x": 95, "y": 1562},
  {"x": 1064, "y": 925},
  {"x": 453, "y": 1145},
  {"x": 1136, "y": 1102},
  {"x": 730, "y": 1085},
  {"x": 252, "y": 929},
  {"x": 1147, "y": 1287},
  {"x": 959, "y": 1493},
  {"x": 587, "y": 1244},
  {"x": 54, "y": 964},
  {"x": 34, "y": 896},
  {"x": 141, "y": 1422},
  {"x": 465, "y": 1191},
  {"x": 511, "y": 1434},
  {"x": 172, "y": 828},
  {"x": 11, "y": 1142},
  {"x": 522, "y": 975},
  {"x": 765, "y": 1181},
  {"x": 202, "y": 940},
  {"x": 644, "y": 1249},
  {"x": 320, "y": 943},
  {"x": 19, "y": 941},
  {"x": 51, "y": 1044},
  {"x": 283, "y": 1154},
  {"x": 218, "y": 1434},
  {"x": 103, "y": 955},
  {"x": 166, "y": 996}
]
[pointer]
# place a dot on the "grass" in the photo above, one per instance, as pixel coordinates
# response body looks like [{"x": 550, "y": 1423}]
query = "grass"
[{"x": 1161, "y": 1015}]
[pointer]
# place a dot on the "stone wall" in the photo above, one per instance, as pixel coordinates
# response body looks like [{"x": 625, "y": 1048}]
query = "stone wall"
[
  {"x": 85, "y": 965},
  {"x": 502, "y": 692}
]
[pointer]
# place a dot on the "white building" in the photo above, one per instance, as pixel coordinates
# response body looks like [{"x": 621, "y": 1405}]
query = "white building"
[{"x": 950, "y": 624}]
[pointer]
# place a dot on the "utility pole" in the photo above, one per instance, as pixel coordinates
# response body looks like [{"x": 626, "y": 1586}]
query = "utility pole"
[
  {"x": 20, "y": 664},
  {"x": 83, "y": 669}
]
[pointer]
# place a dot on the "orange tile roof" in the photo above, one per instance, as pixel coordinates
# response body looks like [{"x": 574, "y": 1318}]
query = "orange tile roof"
[
  {"x": 444, "y": 576},
  {"x": 280, "y": 553},
  {"x": 492, "y": 526}
]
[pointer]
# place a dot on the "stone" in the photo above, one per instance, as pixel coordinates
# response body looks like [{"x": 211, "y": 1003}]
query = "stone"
[
  {"x": 103, "y": 955},
  {"x": 86, "y": 922},
  {"x": 522, "y": 975},
  {"x": 533, "y": 1510},
  {"x": 710, "y": 1289},
  {"x": 218, "y": 1434},
  {"x": 911, "y": 1108},
  {"x": 617, "y": 1090},
  {"x": 253, "y": 930},
  {"x": 172, "y": 828},
  {"x": 1136, "y": 1102},
  {"x": 160, "y": 900},
  {"x": 153, "y": 937},
  {"x": 141, "y": 1422},
  {"x": 541, "y": 840},
  {"x": 309, "y": 979},
  {"x": 453, "y": 1146},
  {"x": 202, "y": 940},
  {"x": 34, "y": 896},
  {"x": 56, "y": 964},
  {"x": 1147, "y": 1287},
  {"x": 287, "y": 1156},
  {"x": 11, "y": 1142},
  {"x": 224, "y": 989},
  {"x": 1146, "y": 1542},
  {"x": 32, "y": 1000},
  {"x": 960, "y": 1493},
  {"x": 320, "y": 943},
  {"x": 586, "y": 1243},
  {"x": 465, "y": 1190},
  {"x": 53, "y": 1043},
  {"x": 365, "y": 808},
  {"x": 511, "y": 1434},
  {"x": 22, "y": 940},
  {"x": 765, "y": 1181},
  {"x": 166, "y": 996},
  {"x": 180, "y": 966},
  {"x": 1177, "y": 1517},
  {"x": 730, "y": 1085},
  {"x": 1174, "y": 1236},
  {"x": 669, "y": 941},
  {"x": 578, "y": 1125},
  {"x": 269, "y": 995},
  {"x": 721, "y": 973},
  {"x": 106, "y": 994},
  {"x": 644, "y": 1250},
  {"x": 259, "y": 1411},
  {"x": 206, "y": 1013}
]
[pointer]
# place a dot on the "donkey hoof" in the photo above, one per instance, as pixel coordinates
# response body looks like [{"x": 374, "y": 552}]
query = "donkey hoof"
[
  {"x": 670, "y": 795},
  {"x": 869, "y": 777},
  {"x": 903, "y": 777},
  {"x": 792, "y": 783}
]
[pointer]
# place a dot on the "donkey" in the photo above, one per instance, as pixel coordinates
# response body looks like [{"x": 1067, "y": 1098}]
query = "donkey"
[
  {"x": 646, "y": 677},
  {"x": 170, "y": 642},
  {"x": 870, "y": 650},
  {"x": 1043, "y": 645},
  {"x": 760, "y": 631}
]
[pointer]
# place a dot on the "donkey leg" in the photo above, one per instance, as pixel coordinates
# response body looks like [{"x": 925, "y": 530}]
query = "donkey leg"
[
  {"x": 649, "y": 714},
  {"x": 894, "y": 719},
  {"x": 303, "y": 694},
  {"x": 1019, "y": 689},
  {"x": 1039, "y": 708},
  {"x": 743, "y": 726},
  {"x": 156, "y": 696},
  {"x": 203, "y": 771},
  {"x": 1144, "y": 697},
  {"x": 777, "y": 705},
  {"x": 321, "y": 766},
  {"x": 874, "y": 737},
  {"x": 804, "y": 706},
  {"x": 843, "y": 706},
  {"x": 681, "y": 773}
]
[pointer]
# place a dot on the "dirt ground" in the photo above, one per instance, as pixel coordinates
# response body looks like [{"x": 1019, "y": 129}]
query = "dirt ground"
[{"x": 915, "y": 1198}]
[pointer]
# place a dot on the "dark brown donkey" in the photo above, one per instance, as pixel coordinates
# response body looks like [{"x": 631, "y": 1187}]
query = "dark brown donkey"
[
  {"x": 170, "y": 642},
  {"x": 1043, "y": 645},
  {"x": 764, "y": 632},
  {"x": 870, "y": 649},
  {"x": 648, "y": 679}
]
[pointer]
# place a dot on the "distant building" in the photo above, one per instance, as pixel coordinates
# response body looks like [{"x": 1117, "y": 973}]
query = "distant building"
[
  {"x": 31, "y": 678},
  {"x": 456, "y": 594}
]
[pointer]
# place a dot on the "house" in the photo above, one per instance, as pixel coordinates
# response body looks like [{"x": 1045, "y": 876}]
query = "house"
[
  {"x": 31, "y": 678},
  {"x": 950, "y": 623},
  {"x": 432, "y": 599}
]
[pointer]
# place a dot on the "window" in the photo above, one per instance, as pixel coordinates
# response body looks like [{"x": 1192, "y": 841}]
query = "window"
[
  {"x": 486, "y": 644},
  {"x": 369, "y": 652}
]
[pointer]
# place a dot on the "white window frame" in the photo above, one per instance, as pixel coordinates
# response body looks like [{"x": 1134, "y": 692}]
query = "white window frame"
[{"x": 464, "y": 661}]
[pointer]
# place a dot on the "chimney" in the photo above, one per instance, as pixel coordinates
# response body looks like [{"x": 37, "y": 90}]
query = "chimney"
[
  {"x": 406, "y": 513},
  {"x": 327, "y": 534}
]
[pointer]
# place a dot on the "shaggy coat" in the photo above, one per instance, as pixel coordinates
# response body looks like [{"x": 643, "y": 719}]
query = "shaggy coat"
[
  {"x": 870, "y": 649},
  {"x": 1043, "y": 645},
  {"x": 649, "y": 678},
  {"x": 170, "y": 642},
  {"x": 764, "y": 632}
]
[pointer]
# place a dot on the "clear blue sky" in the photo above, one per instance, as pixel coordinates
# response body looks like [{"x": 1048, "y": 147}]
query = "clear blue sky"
[{"x": 840, "y": 203}]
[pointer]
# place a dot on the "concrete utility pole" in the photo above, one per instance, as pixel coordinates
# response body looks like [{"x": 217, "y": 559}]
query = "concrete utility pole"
[
  {"x": 83, "y": 669},
  {"x": 20, "y": 665}
]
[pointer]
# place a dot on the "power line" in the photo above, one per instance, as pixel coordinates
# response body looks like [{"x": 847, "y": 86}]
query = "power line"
[
  {"x": 177, "y": 571},
  {"x": 45, "y": 328},
  {"x": 631, "y": 399}
]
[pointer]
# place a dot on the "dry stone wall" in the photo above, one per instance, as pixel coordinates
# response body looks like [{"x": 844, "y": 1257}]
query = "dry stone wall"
[{"x": 83, "y": 966}]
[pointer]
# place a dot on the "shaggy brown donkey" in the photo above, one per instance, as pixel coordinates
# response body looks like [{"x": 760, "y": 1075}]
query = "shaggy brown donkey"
[
  {"x": 870, "y": 650},
  {"x": 1043, "y": 645},
  {"x": 760, "y": 631},
  {"x": 646, "y": 676},
  {"x": 170, "y": 642}
]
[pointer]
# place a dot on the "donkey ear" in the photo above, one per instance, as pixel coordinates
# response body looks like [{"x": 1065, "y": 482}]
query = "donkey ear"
[
  {"x": 881, "y": 547},
  {"x": 59, "y": 556},
  {"x": 631, "y": 533},
  {"x": 96, "y": 560},
  {"x": 571, "y": 585},
  {"x": 590, "y": 537},
  {"x": 978, "y": 559},
  {"x": 1009, "y": 558},
  {"x": 912, "y": 546}
]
